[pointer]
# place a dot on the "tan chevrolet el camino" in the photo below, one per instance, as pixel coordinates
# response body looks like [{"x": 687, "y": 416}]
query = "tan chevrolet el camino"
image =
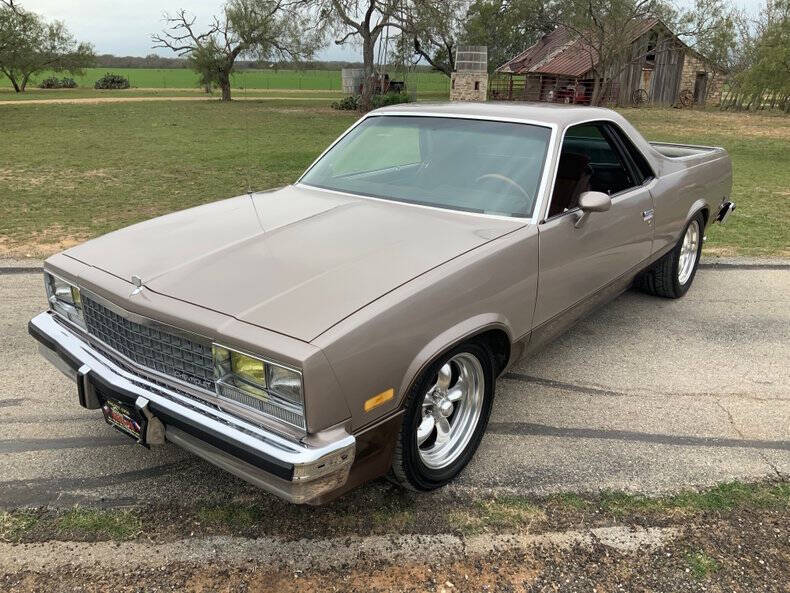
[{"x": 353, "y": 325}]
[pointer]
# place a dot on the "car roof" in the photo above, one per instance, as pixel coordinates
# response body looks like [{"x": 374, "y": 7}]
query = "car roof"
[{"x": 550, "y": 113}]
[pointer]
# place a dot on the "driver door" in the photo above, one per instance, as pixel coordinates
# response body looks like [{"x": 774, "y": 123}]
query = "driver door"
[{"x": 579, "y": 264}]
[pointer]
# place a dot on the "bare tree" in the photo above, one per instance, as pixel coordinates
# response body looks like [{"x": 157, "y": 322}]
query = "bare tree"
[
  {"x": 362, "y": 21},
  {"x": 433, "y": 29},
  {"x": 258, "y": 29},
  {"x": 507, "y": 27}
]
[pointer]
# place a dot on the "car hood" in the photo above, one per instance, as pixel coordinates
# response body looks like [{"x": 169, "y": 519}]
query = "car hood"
[{"x": 295, "y": 260}]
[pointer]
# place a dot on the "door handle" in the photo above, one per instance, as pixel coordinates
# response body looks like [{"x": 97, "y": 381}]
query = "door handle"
[{"x": 647, "y": 215}]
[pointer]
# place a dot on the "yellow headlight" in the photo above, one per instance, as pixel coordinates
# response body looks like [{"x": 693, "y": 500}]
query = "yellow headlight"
[
  {"x": 248, "y": 368},
  {"x": 76, "y": 297}
]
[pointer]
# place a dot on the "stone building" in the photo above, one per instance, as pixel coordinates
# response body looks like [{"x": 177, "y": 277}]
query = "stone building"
[
  {"x": 561, "y": 68},
  {"x": 702, "y": 78},
  {"x": 469, "y": 82}
]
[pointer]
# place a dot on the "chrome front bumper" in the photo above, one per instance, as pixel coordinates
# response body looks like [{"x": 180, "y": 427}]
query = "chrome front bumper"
[{"x": 291, "y": 470}]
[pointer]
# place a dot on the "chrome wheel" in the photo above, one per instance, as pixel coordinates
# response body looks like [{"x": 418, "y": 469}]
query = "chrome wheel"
[
  {"x": 688, "y": 252},
  {"x": 451, "y": 409}
]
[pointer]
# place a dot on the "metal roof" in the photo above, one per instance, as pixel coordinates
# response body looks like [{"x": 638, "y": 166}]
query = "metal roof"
[{"x": 559, "y": 52}]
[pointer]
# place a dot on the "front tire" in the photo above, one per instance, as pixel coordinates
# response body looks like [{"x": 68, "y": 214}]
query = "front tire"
[
  {"x": 447, "y": 410},
  {"x": 672, "y": 275}
]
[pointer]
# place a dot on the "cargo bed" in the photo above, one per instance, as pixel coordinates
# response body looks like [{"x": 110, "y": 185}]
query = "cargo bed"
[{"x": 677, "y": 151}]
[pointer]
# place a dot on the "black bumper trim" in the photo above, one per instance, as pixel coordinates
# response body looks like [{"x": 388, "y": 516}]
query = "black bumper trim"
[{"x": 267, "y": 464}]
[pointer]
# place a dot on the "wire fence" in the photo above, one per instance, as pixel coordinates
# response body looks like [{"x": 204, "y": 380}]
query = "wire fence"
[{"x": 549, "y": 89}]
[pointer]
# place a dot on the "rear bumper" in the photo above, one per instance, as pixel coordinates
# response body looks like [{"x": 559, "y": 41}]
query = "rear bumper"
[
  {"x": 293, "y": 471},
  {"x": 725, "y": 210}
]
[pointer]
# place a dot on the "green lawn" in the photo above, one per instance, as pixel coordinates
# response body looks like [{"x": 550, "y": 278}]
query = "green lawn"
[
  {"x": 73, "y": 171},
  {"x": 8, "y": 94},
  {"x": 253, "y": 79}
]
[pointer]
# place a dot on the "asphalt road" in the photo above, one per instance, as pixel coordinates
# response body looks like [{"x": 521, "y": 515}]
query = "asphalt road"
[{"x": 646, "y": 395}]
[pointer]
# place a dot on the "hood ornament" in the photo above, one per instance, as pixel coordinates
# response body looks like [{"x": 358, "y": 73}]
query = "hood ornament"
[{"x": 138, "y": 285}]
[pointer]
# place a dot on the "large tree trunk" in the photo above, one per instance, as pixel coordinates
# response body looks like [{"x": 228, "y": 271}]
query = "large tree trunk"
[
  {"x": 12, "y": 78},
  {"x": 224, "y": 85},
  {"x": 368, "y": 42},
  {"x": 25, "y": 78},
  {"x": 598, "y": 89}
]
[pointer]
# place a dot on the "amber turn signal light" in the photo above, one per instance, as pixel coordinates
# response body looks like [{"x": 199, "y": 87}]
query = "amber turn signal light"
[{"x": 379, "y": 399}]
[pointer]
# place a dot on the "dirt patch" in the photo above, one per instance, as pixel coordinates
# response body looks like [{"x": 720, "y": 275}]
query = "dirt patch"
[
  {"x": 66, "y": 179},
  {"x": 743, "y": 552},
  {"x": 51, "y": 240}
]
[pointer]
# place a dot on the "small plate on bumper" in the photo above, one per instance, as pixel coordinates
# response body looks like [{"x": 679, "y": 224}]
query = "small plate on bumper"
[{"x": 125, "y": 418}]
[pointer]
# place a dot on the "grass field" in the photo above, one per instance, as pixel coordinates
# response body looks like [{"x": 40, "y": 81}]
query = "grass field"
[
  {"x": 8, "y": 94},
  {"x": 69, "y": 172},
  {"x": 181, "y": 78}
]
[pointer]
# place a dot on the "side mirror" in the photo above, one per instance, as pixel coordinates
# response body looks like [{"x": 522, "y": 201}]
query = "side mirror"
[{"x": 592, "y": 201}]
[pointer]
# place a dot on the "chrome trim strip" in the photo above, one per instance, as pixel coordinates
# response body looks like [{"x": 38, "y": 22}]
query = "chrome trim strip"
[{"x": 234, "y": 429}]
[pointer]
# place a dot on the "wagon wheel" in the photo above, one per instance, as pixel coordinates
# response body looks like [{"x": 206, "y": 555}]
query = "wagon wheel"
[
  {"x": 639, "y": 97},
  {"x": 686, "y": 98}
]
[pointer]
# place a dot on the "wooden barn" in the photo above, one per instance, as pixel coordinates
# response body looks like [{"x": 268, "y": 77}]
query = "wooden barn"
[{"x": 560, "y": 68}]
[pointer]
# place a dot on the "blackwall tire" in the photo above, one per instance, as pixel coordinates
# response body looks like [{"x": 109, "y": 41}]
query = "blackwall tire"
[
  {"x": 672, "y": 275},
  {"x": 447, "y": 411}
]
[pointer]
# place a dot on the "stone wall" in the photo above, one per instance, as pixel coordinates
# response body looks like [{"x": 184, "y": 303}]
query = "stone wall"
[
  {"x": 693, "y": 65},
  {"x": 468, "y": 86}
]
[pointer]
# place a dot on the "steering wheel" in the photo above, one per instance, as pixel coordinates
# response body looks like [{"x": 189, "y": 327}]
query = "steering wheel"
[{"x": 507, "y": 180}]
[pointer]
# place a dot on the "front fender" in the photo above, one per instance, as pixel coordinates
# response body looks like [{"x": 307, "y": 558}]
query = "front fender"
[
  {"x": 449, "y": 339},
  {"x": 385, "y": 345}
]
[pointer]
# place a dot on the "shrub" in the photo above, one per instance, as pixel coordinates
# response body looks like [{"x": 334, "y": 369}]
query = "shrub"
[
  {"x": 112, "y": 81},
  {"x": 50, "y": 83},
  {"x": 350, "y": 103},
  {"x": 53, "y": 82},
  {"x": 377, "y": 101}
]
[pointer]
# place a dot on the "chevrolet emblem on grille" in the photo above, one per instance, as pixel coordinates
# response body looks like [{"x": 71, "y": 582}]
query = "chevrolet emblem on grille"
[{"x": 138, "y": 285}]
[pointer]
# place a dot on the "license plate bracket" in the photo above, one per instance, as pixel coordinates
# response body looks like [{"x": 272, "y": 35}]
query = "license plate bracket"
[{"x": 125, "y": 419}]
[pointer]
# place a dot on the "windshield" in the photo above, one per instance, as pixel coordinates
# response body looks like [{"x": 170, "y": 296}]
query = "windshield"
[{"x": 463, "y": 164}]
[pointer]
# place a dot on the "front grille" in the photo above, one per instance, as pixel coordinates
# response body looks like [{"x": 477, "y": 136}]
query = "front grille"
[{"x": 151, "y": 347}]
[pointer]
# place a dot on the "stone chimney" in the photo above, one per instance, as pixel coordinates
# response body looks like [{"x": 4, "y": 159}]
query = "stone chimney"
[{"x": 469, "y": 82}]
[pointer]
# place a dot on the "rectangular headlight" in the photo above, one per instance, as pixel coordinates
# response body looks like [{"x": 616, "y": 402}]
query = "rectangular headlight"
[
  {"x": 64, "y": 298},
  {"x": 260, "y": 384}
]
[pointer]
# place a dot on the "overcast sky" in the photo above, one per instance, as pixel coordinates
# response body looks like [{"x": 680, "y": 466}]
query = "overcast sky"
[{"x": 124, "y": 28}]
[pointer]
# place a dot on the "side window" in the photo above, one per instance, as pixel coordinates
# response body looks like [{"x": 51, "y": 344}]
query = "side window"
[
  {"x": 589, "y": 161},
  {"x": 640, "y": 163}
]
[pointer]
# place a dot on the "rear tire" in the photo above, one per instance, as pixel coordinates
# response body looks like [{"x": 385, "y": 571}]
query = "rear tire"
[
  {"x": 672, "y": 275},
  {"x": 447, "y": 411}
]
